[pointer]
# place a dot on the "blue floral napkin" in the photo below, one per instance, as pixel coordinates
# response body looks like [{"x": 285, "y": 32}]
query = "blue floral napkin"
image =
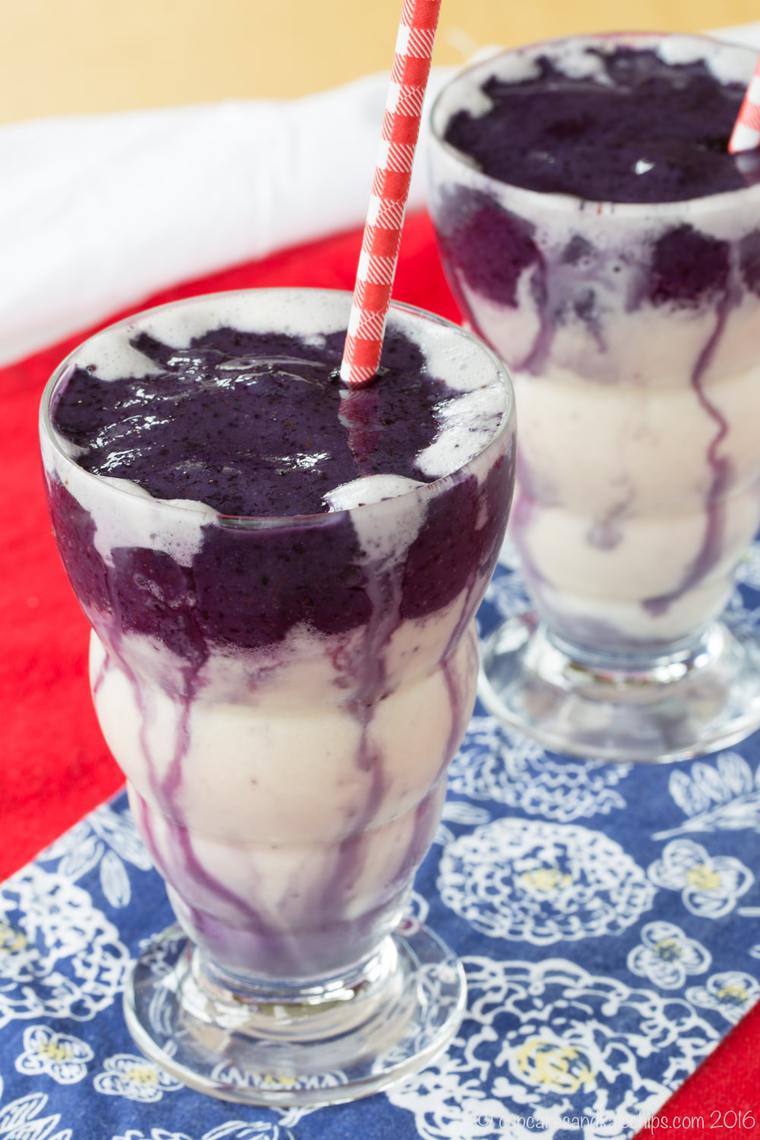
[{"x": 606, "y": 915}]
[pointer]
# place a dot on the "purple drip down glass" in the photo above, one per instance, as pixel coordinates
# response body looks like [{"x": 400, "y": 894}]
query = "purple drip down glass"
[
  {"x": 601, "y": 238},
  {"x": 281, "y": 578}
]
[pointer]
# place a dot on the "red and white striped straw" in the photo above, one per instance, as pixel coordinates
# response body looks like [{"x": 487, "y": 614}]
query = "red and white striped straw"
[
  {"x": 746, "y": 132},
  {"x": 390, "y": 189}
]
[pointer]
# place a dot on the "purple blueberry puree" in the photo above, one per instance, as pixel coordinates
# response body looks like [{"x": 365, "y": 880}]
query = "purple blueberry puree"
[
  {"x": 648, "y": 132},
  {"x": 252, "y": 424},
  {"x": 643, "y": 131},
  {"x": 257, "y": 425}
]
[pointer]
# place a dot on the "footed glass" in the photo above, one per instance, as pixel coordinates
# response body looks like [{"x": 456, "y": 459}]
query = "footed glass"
[
  {"x": 284, "y": 696},
  {"x": 631, "y": 334}
]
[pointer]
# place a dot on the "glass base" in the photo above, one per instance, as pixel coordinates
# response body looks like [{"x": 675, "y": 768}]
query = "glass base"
[
  {"x": 705, "y": 697},
  {"x": 332, "y": 1041}
]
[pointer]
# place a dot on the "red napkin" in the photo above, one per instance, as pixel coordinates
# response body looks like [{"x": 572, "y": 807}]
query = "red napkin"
[{"x": 54, "y": 764}]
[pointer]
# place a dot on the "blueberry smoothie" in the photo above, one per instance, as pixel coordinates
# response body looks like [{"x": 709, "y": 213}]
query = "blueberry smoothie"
[
  {"x": 601, "y": 238},
  {"x": 281, "y": 577}
]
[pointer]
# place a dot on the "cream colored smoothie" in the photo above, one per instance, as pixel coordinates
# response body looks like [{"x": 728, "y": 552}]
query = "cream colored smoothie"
[{"x": 601, "y": 238}]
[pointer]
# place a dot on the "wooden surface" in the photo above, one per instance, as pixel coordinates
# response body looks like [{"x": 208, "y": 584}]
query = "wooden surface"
[{"x": 62, "y": 56}]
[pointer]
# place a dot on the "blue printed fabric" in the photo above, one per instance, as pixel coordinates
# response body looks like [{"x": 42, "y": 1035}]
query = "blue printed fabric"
[{"x": 606, "y": 915}]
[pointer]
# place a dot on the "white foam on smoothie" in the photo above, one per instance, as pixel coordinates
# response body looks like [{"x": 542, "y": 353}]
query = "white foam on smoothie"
[
  {"x": 466, "y": 425},
  {"x": 474, "y": 414},
  {"x": 134, "y": 518},
  {"x": 111, "y": 355},
  {"x": 463, "y": 364},
  {"x": 468, "y": 95},
  {"x": 111, "y": 359},
  {"x": 729, "y": 63},
  {"x": 576, "y": 62},
  {"x": 369, "y": 489},
  {"x": 264, "y": 311},
  {"x": 381, "y": 539},
  {"x": 466, "y": 92}
]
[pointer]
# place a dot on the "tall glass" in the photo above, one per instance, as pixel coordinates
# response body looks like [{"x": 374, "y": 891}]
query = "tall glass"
[
  {"x": 631, "y": 332},
  {"x": 284, "y": 696}
]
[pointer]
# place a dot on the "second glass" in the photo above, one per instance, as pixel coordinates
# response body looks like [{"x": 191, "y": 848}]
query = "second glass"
[{"x": 631, "y": 332}]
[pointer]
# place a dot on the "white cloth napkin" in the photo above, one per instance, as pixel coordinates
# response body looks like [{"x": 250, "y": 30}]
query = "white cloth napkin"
[{"x": 99, "y": 211}]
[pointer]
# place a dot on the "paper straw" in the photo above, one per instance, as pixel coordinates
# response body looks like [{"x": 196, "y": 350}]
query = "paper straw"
[
  {"x": 746, "y": 132},
  {"x": 390, "y": 189}
]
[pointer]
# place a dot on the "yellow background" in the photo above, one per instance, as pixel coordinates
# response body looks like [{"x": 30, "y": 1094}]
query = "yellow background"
[{"x": 60, "y": 56}]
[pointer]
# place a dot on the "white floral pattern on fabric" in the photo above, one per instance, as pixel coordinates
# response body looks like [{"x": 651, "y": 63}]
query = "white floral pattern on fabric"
[
  {"x": 748, "y": 570},
  {"x": 130, "y": 1076},
  {"x": 59, "y": 955},
  {"x": 230, "y": 1130},
  {"x": 731, "y": 993},
  {"x": 710, "y": 885},
  {"x": 241, "y": 1130},
  {"x": 415, "y": 914},
  {"x": 738, "y": 615},
  {"x": 539, "y": 1039},
  {"x": 231, "y": 1074},
  {"x": 60, "y": 1056},
  {"x": 724, "y": 796},
  {"x": 666, "y": 956},
  {"x": 542, "y": 882},
  {"x": 105, "y": 839},
  {"x": 741, "y": 619},
  {"x": 154, "y": 1134},
  {"x": 496, "y": 764},
  {"x": 21, "y": 1120},
  {"x": 462, "y": 814}
]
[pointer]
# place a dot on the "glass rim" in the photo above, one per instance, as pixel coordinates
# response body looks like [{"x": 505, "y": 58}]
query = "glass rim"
[
  {"x": 120, "y": 486},
  {"x": 557, "y": 200}
]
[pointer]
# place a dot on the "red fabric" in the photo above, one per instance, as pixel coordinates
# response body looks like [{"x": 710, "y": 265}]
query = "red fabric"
[{"x": 54, "y": 765}]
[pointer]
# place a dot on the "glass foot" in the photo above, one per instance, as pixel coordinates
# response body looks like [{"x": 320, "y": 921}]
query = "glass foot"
[
  {"x": 314, "y": 1045},
  {"x": 675, "y": 707}
]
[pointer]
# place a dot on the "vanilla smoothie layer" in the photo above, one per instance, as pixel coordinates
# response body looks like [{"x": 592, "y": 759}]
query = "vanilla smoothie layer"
[
  {"x": 281, "y": 576},
  {"x": 602, "y": 239}
]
